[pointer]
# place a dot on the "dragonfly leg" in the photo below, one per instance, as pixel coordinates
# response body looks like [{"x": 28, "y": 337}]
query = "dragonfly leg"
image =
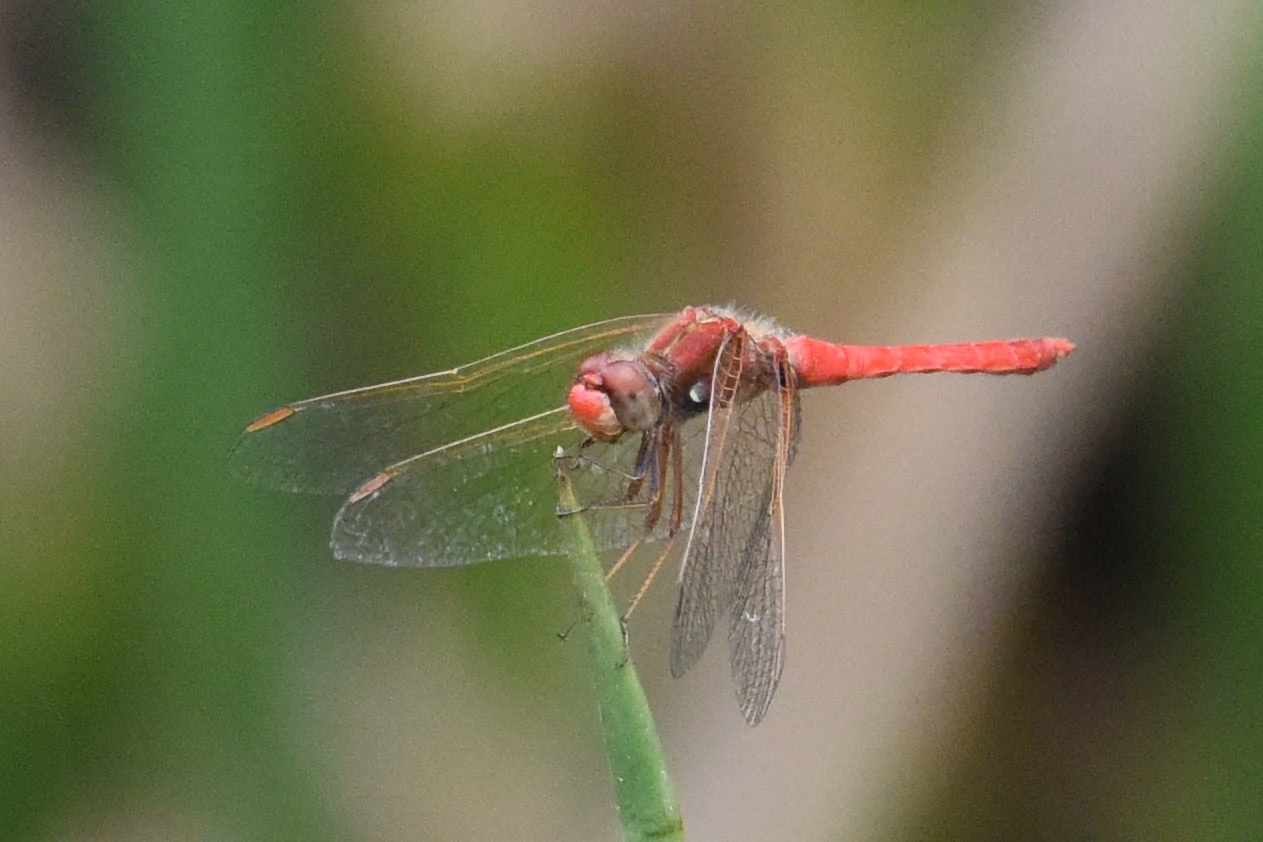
[
  {"x": 653, "y": 573},
  {"x": 677, "y": 490},
  {"x": 669, "y": 455},
  {"x": 646, "y": 468},
  {"x": 601, "y": 507},
  {"x": 634, "y": 480},
  {"x": 566, "y": 462},
  {"x": 638, "y": 474},
  {"x": 630, "y": 551},
  {"x": 663, "y": 446},
  {"x": 565, "y": 635},
  {"x": 664, "y": 453},
  {"x": 622, "y": 627}
]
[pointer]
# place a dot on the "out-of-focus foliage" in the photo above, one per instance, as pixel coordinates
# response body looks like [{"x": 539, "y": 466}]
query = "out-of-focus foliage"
[{"x": 1130, "y": 706}]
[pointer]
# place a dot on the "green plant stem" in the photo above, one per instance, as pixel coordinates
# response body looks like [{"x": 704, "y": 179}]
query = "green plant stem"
[{"x": 647, "y": 807}]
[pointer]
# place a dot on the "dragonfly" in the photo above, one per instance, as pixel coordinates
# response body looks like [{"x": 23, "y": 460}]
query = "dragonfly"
[{"x": 676, "y": 429}]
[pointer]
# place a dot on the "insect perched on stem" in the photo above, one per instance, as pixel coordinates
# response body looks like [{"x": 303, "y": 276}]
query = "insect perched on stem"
[{"x": 684, "y": 438}]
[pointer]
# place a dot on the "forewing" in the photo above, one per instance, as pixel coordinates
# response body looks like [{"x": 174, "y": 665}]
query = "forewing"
[
  {"x": 738, "y": 466},
  {"x": 484, "y": 498},
  {"x": 490, "y": 496},
  {"x": 332, "y": 444}
]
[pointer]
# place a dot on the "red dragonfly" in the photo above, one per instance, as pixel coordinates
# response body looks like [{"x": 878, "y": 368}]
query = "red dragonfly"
[{"x": 684, "y": 436}]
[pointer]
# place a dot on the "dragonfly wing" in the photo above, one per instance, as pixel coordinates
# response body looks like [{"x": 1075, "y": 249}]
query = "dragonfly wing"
[
  {"x": 488, "y": 497},
  {"x": 734, "y": 561},
  {"x": 737, "y": 464},
  {"x": 333, "y": 443},
  {"x": 756, "y": 630}
]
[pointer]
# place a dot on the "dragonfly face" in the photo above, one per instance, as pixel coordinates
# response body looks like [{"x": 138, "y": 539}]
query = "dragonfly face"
[{"x": 612, "y": 396}]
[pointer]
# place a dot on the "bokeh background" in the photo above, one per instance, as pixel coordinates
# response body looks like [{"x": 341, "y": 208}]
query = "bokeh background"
[{"x": 1018, "y": 609}]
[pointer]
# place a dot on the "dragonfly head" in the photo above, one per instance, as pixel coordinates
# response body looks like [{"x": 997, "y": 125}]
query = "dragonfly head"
[{"x": 611, "y": 396}]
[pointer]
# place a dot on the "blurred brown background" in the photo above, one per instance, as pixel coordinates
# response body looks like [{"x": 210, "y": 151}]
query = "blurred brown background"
[{"x": 1018, "y": 609}]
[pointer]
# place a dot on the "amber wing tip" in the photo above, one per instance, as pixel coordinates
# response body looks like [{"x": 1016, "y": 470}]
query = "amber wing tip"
[
  {"x": 371, "y": 486},
  {"x": 273, "y": 417}
]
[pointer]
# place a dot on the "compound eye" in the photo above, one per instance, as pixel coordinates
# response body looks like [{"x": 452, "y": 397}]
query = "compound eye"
[{"x": 633, "y": 395}]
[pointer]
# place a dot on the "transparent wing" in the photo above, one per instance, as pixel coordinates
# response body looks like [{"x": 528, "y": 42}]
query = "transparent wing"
[
  {"x": 491, "y": 496},
  {"x": 333, "y": 443},
  {"x": 725, "y": 503},
  {"x": 734, "y": 560},
  {"x": 756, "y": 630}
]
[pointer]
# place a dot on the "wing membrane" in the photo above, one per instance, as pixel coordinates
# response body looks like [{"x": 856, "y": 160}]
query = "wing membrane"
[
  {"x": 331, "y": 444},
  {"x": 734, "y": 560},
  {"x": 756, "y": 629},
  {"x": 490, "y": 496},
  {"x": 738, "y": 451}
]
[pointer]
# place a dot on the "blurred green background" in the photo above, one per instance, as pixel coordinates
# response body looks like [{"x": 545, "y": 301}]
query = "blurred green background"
[{"x": 210, "y": 209}]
